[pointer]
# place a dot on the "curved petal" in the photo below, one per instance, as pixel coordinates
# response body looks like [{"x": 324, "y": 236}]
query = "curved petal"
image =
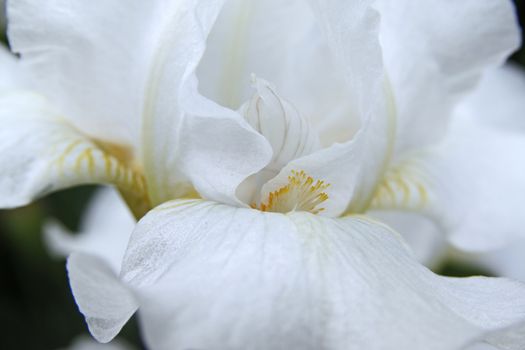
[
  {"x": 506, "y": 261},
  {"x": 105, "y": 302},
  {"x": 485, "y": 211},
  {"x": 472, "y": 184},
  {"x": 352, "y": 169},
  {"x": 105, "y": 230},
  {"x": 41, "y": 153},
  {"x": 498, "y": 99},
  {"x": 88, "y": 57},
  {"x": 257, "y": 37},
  {"x": 11, "y": 74},
  {"x": 435, "y": 52},
  {"x": 186, "y": 136},
  {"x": 213, "y": 276},
  {"x": 422, "y": 235}
]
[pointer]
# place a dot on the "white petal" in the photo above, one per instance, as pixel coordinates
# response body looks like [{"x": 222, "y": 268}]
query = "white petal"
[
  {"x": 11, "y": 75},
  {"x": 353, "y": 168},
  {"x": 423, "y": 236},
  {"x": 499, "y": 98},
  {"x": 41, "y": 153},
  {"x": 105, "y": 230},
  {"x": 90, "y": 58},
  {"x": 258, "y": 37},
  {"x": 435, "y": 51},
  {"x": 186, "y": 136},
  {"x": 289, "y": 134},
  {"x": 479, "y": 176},
  {"x": 472, "y": 184},
  {"x": 214, "y": 276},
  {"x": 101, "y": 297},
  {"x": 279, "y": 121},
  {"x": 507, "y": 261}
]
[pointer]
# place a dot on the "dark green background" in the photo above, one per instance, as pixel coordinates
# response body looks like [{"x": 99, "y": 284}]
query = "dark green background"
[{"x": 37, "y": 310}]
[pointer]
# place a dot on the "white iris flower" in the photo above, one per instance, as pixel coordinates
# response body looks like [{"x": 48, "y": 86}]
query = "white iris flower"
[{"x": 258, "y": 136}]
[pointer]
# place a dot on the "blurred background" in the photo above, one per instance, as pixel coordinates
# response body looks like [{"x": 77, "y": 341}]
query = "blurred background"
[{"x": 37, "y": 310}]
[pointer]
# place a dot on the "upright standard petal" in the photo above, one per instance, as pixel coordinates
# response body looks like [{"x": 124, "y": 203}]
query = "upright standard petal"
[
  {"x": 435, "y": 52},
  {"x": 186, "y": 136},
  {"x": 352, "y": 168},
  {"x": 257, "y": 37},
  {"x": 213, "y": 276}
]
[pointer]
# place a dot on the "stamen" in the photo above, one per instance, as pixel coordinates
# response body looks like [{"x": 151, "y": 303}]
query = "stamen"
[{"x": 302, "y": 193}]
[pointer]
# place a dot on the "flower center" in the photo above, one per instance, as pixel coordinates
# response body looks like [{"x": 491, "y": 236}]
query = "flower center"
[{"x": 302, "y": 193}]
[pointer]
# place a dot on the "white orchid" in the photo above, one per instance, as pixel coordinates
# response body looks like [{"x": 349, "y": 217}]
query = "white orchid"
[{"x": 276, "y": 250}]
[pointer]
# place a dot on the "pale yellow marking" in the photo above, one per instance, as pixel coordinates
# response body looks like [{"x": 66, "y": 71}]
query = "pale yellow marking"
[
  {"x": 403, "y": 187},
  {"x": 93, "y": 162}
]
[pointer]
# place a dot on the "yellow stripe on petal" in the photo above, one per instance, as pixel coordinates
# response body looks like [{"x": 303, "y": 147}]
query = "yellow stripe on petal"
[
  {"x": 405, "y": 186},
  {"x": 81, "y": 160}
]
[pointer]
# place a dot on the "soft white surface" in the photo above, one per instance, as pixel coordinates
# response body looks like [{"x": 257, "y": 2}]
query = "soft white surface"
[
  {"x": 90, "y": 58},
  {"x": 104, "y": 301},
  {"x": 474, "y": 180},
  {"x": 435, "y": 51},
  {"x": 209, "y": 275},
  {"x": 41, "y": 152}
]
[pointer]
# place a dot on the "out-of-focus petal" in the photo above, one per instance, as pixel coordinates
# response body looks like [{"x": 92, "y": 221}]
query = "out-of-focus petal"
[
  {"x": 423, "y": 236},
  {"x": 498, "y": 99},
  {"x": 105, "y": 230},
  {"x": 472, "y": 184},
  {"x": 102, "y": 298},
  {"x": 435, "y": 52},
  {"x": 480, "y": 170}
]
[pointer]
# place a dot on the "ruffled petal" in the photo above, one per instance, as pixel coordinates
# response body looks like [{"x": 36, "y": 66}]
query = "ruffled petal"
[
  {"x": 435, "y": 52},
  {"x": 186, "y": 136},
  {"x": 353, "y": 168},
  {"x": 214, "y": 276},
  {"x": 257, "y": 37}
]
